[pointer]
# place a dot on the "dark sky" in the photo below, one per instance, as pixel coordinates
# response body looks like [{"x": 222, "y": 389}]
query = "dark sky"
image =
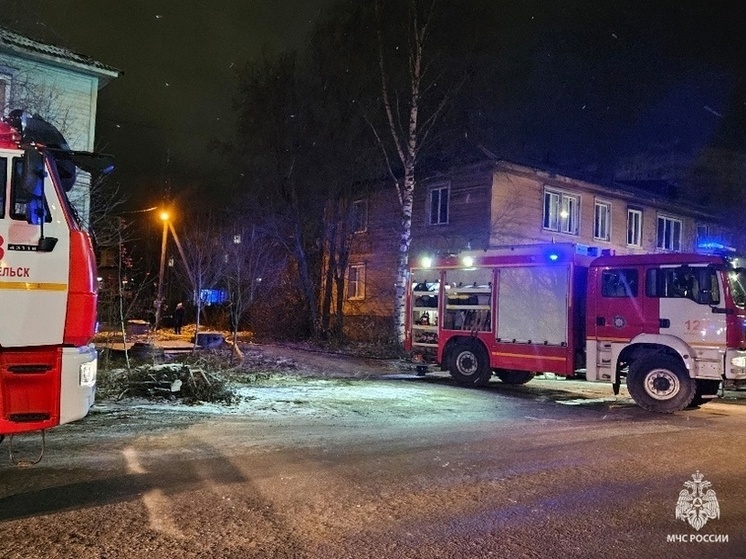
[{"x": 178, "y": 60}]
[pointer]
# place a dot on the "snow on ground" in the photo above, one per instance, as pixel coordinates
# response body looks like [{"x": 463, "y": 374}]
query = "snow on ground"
[
  {"x": 307, "y": 385},
  {"x": 299, "y": 396}
]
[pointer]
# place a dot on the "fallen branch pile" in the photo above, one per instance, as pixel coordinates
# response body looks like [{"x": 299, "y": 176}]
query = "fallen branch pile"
[{"x": 189, "y": 384}]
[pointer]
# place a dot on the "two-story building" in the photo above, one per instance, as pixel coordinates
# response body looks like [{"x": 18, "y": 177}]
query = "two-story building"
[
  {"x": 58, "y": 84},
  {"x": 497, "y": 202}
]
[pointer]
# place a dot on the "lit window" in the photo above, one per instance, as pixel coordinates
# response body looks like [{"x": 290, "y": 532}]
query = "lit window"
[
  {"x": 634, "y": 227},
  {"x": 359, "y": 216},
  {"x": 561, "y": 212},
  {"x": 669, "y": 233},
  {"x": 356, "y": 282},
  {"x": 439, "y": 205},
  {"x": 602, "y": 221}
]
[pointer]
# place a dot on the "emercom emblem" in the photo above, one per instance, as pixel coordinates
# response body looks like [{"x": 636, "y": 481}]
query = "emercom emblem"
[{"x": 697, "y": 503}]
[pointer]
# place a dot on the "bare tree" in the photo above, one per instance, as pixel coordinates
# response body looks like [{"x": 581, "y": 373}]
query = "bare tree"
[
  {"x": 252, "y": 265},
  {"x": 407, "y": 125},
  {"x": 202, "y": 262}
]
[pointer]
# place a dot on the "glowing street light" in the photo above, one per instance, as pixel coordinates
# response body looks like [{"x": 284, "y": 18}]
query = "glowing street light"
[{"x": 159, "y": 299}]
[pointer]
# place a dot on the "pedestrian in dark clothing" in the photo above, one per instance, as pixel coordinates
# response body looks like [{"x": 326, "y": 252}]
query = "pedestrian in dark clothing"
[{"x": 178, "y": 318}]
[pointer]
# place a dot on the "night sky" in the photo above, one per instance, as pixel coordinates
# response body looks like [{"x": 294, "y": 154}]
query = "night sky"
[{"x": 178, "y": 60}]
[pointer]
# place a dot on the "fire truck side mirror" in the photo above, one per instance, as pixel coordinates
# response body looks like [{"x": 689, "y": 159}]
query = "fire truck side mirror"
[{"x": 47, "y": 244}]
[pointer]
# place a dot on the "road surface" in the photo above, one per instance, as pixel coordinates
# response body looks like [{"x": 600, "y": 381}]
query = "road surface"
[{"x": 368, "y": 462}]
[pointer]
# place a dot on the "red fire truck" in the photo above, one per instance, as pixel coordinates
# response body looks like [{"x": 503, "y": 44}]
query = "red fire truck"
[
  {"x": 672, "y": 325},
  {"x": 47, "y": 281}
]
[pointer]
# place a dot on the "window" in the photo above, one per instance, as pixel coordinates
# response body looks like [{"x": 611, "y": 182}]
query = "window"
[
  {"x": 669, "y": 233},
  {"x": 602, "y": 221},
  {"x": 359, "y": 216},
  {"x": 703, "y": 233},
  {"x": 634, "y": 227},
  {"x": 5, "y": 84},
  {"x": 700, "y": 284},
  {"x": 561, "y": 211},
  {"x": 356, "y": 281},
  {"x": 3, "y": 184},
  {"x": 25, "y": 206},
  {"x": 439, "y": 205},
  {"x": 712, "y": 237},
  {"x": 619, "y": 283}
]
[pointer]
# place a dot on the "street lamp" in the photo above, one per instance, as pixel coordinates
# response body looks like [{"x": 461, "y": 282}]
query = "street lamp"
[{"x": 159, "y": 299}]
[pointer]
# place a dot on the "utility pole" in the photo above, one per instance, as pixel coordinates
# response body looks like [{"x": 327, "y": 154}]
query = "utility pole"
[{"x": 159, "y": 299}]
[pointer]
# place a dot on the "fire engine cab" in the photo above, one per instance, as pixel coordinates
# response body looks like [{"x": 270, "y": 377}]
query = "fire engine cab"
[
  {"x": 47, "y": 282},
  {"x": 673, "y": 326}
]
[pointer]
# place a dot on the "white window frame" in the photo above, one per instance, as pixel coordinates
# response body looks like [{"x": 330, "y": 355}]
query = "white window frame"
[
  {"x": 669, "y": 239},
  {"x": 5, "y": 100},
  {"x": 359, "y": 216},
  {"x": 356, "y": 282},
  {"x": 444, "y": 194},
  {"x": 634, "y": 227},
  {"x": 602, "y": 221},
  {"x": 561, "y": 212}
]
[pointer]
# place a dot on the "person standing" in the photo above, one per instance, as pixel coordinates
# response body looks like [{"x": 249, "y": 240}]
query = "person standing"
[{"x": 178, "y": 318}]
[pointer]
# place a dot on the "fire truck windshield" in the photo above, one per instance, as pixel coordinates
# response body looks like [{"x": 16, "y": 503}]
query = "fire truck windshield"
[{"x": 737, "y": 282}]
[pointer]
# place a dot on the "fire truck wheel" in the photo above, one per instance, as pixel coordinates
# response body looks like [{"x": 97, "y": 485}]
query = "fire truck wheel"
[
  {"x": 470, "y": 364},
  {"x": 705, "y": 388},
  {"x": 660, "y": 383},
  {"x": 511, "y": 376}
]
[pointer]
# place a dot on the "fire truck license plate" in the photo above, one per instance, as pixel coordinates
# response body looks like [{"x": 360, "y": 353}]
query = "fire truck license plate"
[{"x": 88, "y": 374}]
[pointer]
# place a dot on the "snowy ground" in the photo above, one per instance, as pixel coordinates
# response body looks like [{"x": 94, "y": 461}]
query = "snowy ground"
[{"x": 303, "y": 383}]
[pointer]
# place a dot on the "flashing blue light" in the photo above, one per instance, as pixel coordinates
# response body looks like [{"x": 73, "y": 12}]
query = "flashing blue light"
[
  {"x": 715, "y": 247},
  {"x": 553, "y": 256}
]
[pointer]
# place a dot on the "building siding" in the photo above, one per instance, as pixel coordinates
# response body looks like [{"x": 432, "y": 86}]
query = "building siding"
[
  {"x": 493, "y": 204},
  {"x": 63, "y": 95}
]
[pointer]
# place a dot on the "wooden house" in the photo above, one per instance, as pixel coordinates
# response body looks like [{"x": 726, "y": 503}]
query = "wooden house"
[
  {"x": 498, "y": 202},
  {"x": 61, "y": 86}
]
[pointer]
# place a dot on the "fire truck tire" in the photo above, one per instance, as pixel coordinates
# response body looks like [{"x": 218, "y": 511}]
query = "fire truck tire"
[
  {"x": 660, "y": 383},
  {"x": 470, "y": 364},
  {"x": 705, "y": 388},
  {"x": 511, "y": 376}
]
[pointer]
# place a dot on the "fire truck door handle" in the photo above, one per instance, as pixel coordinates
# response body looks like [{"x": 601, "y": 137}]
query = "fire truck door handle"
[
  {"x": 600, "y": 321},
  {"x": 717, "y": 310},
  {"x": 664, "y": 323}
]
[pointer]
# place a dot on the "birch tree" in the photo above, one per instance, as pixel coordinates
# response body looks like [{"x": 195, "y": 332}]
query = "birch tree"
[{"x": 407, "y": 124}]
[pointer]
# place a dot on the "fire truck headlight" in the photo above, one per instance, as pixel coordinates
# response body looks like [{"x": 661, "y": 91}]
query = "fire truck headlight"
[
  {"x": 426, "y": 262},
  {"x": 739, "y": 362},
  {"x": 468, "y": 261}
]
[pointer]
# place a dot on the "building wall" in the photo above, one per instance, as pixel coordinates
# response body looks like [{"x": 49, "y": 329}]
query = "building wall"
[
  {"x": 491, "y": 204},
  {"x": 518, "y": 212},
  {"x": 468, "y": 222},
  {"x": 375, "y": 249},
  {"x": 63, "y": 97}
]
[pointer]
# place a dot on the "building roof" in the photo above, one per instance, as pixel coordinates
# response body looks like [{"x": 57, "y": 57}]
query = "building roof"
[{"x": 16, "y": 43}]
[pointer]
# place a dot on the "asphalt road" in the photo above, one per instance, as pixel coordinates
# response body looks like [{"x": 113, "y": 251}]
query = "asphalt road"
[{"x": 388, "y": 467}]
